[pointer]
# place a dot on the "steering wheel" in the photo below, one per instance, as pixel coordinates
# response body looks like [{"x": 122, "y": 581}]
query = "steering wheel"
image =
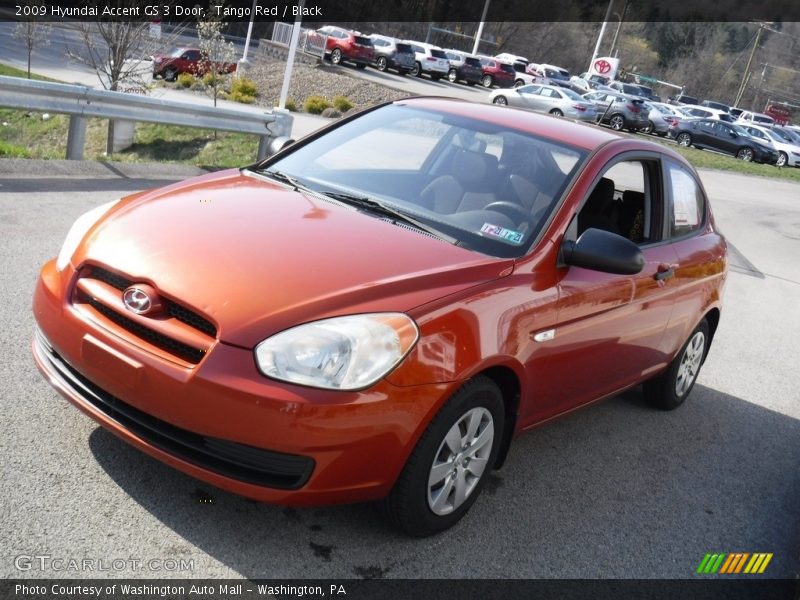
[{"x": 511, "y": 210}]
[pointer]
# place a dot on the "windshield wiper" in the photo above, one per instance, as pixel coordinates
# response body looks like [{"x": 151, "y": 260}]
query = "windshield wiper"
[{"x": 395, "y": 215}]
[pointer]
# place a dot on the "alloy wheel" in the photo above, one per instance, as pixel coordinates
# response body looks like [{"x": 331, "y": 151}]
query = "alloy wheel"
[
  {"x": 690, "y": 363},
  {"x": 617, "y": 123},
  {"x": 500, "y": 100},
  {"x": 745, "y": 154}
]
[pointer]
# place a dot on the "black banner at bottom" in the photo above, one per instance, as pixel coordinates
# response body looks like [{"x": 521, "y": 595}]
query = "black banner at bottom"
[{"x": 389, "y": 589}]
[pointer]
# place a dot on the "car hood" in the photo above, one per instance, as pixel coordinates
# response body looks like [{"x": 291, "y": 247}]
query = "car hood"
[{"x": 257, "y": 257}]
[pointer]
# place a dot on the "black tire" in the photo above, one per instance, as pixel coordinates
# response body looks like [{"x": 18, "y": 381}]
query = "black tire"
[
  {"x": 502, "y": 100},
  {"x": 684, "y": 139},
  {"x": 170, "y": 74},
  {"x": 667, "y": 391},
  {"x": 408, "y": 506},
  {"x": 557, "y": 112},
  {"x": 452, "y": 76},
  {"x": 487, "y": 81},
  {"x": 782, "y": 159},
  {"x": 519, "y": 83},
  {"x": 746, "y": 154},
  {"x": 616, "y": 122},
  {"x": 649, "y": 129},
  {"x": 336, "y": 56},
  {"x": 417, "y": 70},
  {"x": 380, "y": 64}
]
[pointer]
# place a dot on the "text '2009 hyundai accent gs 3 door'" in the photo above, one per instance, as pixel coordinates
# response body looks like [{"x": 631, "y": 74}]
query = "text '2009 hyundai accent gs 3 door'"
[{"x": 377, "y": 310}]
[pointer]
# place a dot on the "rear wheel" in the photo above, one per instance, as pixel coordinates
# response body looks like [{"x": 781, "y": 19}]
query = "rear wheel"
[
  {"x": 452, "y": 76},
  {"x": 556, "y": 112},
  {"x": 170, "y": 74},
  {"x": 486, "y": 81},
  {"x": 617, "y": 122},
  {"x": 649, "y": 128},
  {"x": 684, "y": 139},
  {"x": 745, "y": 154},
  {"x": 669, "y": 390},
  {"x": 519, "y": 83},
  {"x": 417, "y": 70},
  {"x": 449, "y": 465},
  {"x": 380, "y": 64},
  {"x": 782, "y": 159},
  {"x": 500, "y": 100},
  {"x": 336, "y": 56}
]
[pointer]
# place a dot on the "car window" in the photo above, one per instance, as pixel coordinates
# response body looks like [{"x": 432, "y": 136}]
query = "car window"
[
  {"x": 438, "y": 53},
  {"x": 549, "y": 93},
  {"x": 529, "y": 89},
  {"x": 688, "y": 202},
  {"x": 444, "y": 170},
  {"x": 624, "y": 202}
]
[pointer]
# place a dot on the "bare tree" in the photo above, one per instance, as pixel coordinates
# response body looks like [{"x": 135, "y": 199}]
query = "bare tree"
[
  {"x": 218, "y": 53},
  {"x": 33, "y": 34}
]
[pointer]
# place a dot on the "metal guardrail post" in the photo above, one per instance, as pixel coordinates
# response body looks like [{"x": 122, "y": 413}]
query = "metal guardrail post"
[{"x": 76, "y": 137}]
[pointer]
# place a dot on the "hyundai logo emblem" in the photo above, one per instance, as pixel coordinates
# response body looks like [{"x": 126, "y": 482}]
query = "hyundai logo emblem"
[{"x": 141, "y": 299}]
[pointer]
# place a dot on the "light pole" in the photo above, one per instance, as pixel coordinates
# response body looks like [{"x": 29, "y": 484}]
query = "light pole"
[
  {"x": 600, "y": 36},
  {"x": 480, "y": 27},
  {"x": 243, "y": 61}
]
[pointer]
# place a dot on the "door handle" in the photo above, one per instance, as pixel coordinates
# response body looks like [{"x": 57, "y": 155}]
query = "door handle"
[{"x": 664, "y": 272}]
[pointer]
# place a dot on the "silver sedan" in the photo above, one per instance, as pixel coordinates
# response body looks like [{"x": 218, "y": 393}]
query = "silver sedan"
[{"x": 557, "y": 101}]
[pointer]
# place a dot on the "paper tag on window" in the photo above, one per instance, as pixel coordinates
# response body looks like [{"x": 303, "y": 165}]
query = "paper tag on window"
[{"x": 684, "y": 198}]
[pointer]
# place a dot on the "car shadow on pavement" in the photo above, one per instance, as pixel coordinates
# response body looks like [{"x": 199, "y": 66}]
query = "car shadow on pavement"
[{"x": 616, "y": 490}]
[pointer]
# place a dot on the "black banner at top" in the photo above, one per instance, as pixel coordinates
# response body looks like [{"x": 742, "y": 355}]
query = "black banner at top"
[{"x": 335, "y": 11}]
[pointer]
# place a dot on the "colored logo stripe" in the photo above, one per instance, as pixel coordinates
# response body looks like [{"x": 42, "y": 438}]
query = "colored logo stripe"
[{"x": 734, "y": 562}]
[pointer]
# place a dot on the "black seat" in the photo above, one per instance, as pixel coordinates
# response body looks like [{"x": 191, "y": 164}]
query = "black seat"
[
  {"x": 598, "y": 212},
  {"x": 469, "y": 186},
  {"x": 631, "y": 217}
]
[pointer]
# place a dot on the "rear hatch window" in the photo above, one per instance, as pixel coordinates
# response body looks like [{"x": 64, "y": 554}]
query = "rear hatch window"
[
  {"x": 473, "y": 62},
  {"x": 438, "y": 54},
  {"x": 405, "y": 49}
]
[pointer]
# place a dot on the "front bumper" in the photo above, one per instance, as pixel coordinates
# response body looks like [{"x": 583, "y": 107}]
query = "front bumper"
[{"x": 221, "y": 421}]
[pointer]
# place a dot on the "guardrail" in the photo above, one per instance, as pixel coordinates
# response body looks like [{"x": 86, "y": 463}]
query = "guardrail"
[{"x": 82, "y": 103}]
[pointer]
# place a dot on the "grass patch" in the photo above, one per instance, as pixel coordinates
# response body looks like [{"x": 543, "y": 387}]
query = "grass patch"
[
  {"x": 12, "y": 72},
  {"x": 705, "y": 159}
]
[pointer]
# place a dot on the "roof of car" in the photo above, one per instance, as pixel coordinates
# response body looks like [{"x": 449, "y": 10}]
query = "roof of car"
[{"x": 575, "y": 134}]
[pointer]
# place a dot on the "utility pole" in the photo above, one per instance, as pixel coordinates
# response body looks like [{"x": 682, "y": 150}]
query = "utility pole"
[
  {"x": 746, "y": 75},
  {"x": 754, "y": 106}
]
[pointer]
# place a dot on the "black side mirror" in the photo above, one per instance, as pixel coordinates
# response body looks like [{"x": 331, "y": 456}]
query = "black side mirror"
[{"x": 604, "y": 251}]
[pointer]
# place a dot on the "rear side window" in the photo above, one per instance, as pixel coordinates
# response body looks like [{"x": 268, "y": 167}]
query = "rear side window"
[
  {"x": 473, "y": 62},
  {"x": 507, "y": 68},
  {"x": 438, "y": 53},
  {"x": 688, "y": 202},
  {"x": 364, "y": 41}
]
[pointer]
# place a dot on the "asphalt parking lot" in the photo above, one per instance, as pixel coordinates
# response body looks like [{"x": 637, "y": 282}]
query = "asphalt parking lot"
[{"x": 614, "y": 490}]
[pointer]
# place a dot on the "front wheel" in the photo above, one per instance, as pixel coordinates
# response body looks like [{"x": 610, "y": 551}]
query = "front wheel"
[
  {"x": 519, "y": 83},
  {"x": 336, "y": 56},
  {"x": 449, "y": 465},
  {"x": 617, "y": 122},
  {"x": 669, "y": 390},
  {"x": 684, "y": 140},
  {"x": 486, "y": 81},
  {"x": 380, "y": 64},
  {"x": 170, "y": 74},
  {"x": 417, "y": 70},
  {"x": 452, "y": 76},
  {"x": 745, "y": 154},
  {"x": 649, "y": 128},
  {"x": 500, "y": 100}
]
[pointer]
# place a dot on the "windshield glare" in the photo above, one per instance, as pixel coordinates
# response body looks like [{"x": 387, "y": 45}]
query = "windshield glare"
[{"x": 444, "y": 171}]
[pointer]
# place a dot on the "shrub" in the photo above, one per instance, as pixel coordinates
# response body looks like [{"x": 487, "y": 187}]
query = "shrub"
[
  {"x": 212, "y": 79},
  {"x": 244, "y": 86},
  {"x": 331, "y": 113},
  {"x": 342, "y": 104},
  {"x": 186, "y": 80},
  {"x": 291, "y": 106},
  {"x": 237, "y": 96},
  {"x": 315, "y": 105}
]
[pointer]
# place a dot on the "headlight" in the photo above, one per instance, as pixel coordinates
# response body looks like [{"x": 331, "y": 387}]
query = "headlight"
[
  {"x": 343, "y": 353},
  {"x": 79, "y": 228}
]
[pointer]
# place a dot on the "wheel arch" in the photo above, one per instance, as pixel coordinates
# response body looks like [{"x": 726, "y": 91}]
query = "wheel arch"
[
  {"x": 712, "y": 318},
  {"x": 510, "y": 387}
]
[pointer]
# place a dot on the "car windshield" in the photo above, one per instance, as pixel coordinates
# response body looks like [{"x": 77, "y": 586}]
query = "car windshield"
[
  {"x": 177, "y": 53},
  {"x": 458, "y": 176}
]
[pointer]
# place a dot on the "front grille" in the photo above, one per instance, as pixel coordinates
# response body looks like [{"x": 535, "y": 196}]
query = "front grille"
[
  {"x": 173, "y": 309},
  {"x": 230, "y": 459},
  {"x": 179, "y": 349}
]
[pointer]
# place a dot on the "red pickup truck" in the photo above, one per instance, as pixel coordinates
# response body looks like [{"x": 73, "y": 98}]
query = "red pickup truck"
[{"x": 187, "y": 60}]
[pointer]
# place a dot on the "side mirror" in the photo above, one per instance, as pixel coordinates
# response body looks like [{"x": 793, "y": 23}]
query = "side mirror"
[
  {"x": 279, "y": 143},
  {"x": 604, "y": 251}
]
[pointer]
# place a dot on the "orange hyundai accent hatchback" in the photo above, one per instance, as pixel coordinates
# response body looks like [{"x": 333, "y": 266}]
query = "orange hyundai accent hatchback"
[{"x": 376, "y": 311}]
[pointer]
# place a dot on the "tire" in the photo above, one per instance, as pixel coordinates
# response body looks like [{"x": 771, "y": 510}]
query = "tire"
[
  {"x": 501, "y": 100},
  {"x": 452, "y": 76},
  {"x": 616, "y": 122},
  {"x": 782, "y": 159},
  {"x": 684, "y": 140},
  {"x": 380, "y": 64},
  {"x": 670, "y": 389},
  {"x": 487, "y": 81},
  {"x": 745, "y": 154},
  {"x": 170, "y": 74},
  {"x": 437, "y": 486},
  {"x": 556, "y": 112},
  {"x": 336, "y": 56},
  {"x": 519, "y": 83},
  {"x": 417, "y": 70},
  {"x": 649, "y": 128}
]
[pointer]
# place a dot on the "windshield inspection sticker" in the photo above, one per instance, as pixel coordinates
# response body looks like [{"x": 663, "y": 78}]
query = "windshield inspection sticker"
[{"x": 507, "y": 235}]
